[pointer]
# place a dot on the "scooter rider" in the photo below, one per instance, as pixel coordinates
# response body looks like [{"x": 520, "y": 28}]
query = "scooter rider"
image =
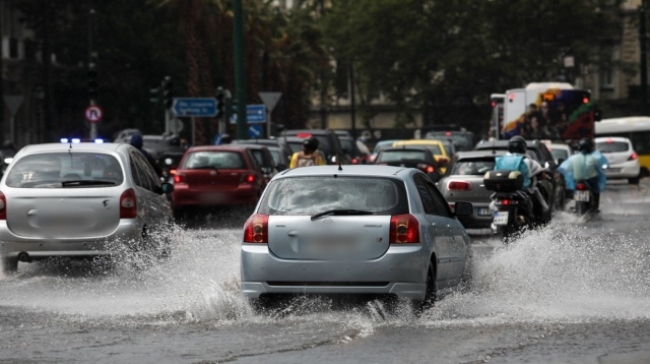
[
  {"x": 588, "y": 166},
  {"x": 517, "y": 160}
]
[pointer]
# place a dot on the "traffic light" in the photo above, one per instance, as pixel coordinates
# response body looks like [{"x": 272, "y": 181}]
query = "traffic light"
[
  {"x": 92, "y": 81},
  {"x": 168, "y": 94},
  {"x": 221, "y": 103}
]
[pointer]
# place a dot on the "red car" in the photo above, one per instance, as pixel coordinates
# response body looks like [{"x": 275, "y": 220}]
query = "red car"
[{"x": 213, "y": 176}]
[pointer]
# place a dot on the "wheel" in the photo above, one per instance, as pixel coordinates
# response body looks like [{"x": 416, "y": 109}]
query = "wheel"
[
  {"x": 431, "y": 291},
  {"x": 9, "y": 265},
  {"x": 466, "y": 278},
  {"x": 560, "y": 195},
  {"x": 634, "y": 180},
  {"x": 581, "y": 208}
]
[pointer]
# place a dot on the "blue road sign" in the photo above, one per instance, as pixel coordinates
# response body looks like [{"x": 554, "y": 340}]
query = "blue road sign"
[
  {"x": 254, "y": 131},
  {"x": 255, "y": 114},
  {"x": 201, "y": 107}
]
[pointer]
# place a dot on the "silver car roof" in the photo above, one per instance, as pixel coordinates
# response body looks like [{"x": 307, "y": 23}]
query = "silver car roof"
[
  {"x": 79, "y": 147},
  {"x": 349, "y": 170}
]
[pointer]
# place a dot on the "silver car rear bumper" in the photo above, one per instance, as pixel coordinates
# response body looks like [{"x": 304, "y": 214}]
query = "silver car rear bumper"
[
  {"x": 128, "y": 230},
  {"x": 400, "y": 271}
]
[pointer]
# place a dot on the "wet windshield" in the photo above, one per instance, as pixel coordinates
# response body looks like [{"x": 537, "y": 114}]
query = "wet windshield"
[
  {"x": 54, "y": 170},
  {"x": 399, "y": 155},
  {"x": 313, "y": 195},
  {"x": 473, "y": 167},
  {"x": 612, "y": 147}
]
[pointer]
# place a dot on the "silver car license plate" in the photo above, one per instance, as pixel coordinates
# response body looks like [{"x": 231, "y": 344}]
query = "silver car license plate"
[
  {"x": 500, "y": 218},
  {"x": 581, "y": 196},
  {"x": 483, "y": 211}
]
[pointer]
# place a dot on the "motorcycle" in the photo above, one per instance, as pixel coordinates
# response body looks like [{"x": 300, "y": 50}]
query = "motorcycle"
[
  {"x": 511, "y": 206},
  {"x": 583, "y": 197}
]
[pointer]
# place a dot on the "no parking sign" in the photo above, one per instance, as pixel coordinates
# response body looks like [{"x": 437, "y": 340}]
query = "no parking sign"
[{"x": 94, "y": 114}]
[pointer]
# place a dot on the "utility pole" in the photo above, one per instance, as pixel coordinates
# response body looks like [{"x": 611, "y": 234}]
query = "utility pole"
[
  {"x": 92, "y": 66},
  {"x": 644, "y": 59},
  {"x": 240, "y": 67},
  {"x": 353, "y": 102}
]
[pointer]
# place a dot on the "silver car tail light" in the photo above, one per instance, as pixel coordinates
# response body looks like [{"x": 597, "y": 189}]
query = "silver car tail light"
[
  {"x": 256, "y": 229},
  {"x": 404, "y": 229},
  {"x": 128, "y": 205},
  {"x": 3, "y": 206}
]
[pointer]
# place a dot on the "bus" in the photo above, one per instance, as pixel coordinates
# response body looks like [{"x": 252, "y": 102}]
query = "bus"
[
  {"x": 496, "y": 120},
  {"x": 549, "y": 110},
  {"x": 635, "y": 128}
]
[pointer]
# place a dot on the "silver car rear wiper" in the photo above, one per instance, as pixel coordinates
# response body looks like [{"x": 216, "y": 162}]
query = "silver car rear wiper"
[
  {"x": 341, "y": 212},
  {"x": 84, "y": 182}
]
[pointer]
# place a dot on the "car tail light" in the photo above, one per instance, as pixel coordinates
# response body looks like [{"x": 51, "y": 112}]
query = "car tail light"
[
  {"x": 459, "y": 186},
  {"x": 248, "y": 178},
  {"x": 128, "y": 205},
  {"x": 3, "y": 206},
  {"x": 355, "y": 160},
  {"x": 256, "y": 229},
  {"x": 581, "y": 187},
  {"x": 404, "y": 229},
  {"x": 507, "y": 202},
  {"x": 172, "y": 172},
  {"x": 633, "y": 157},
  {"x": 179, "y": 178},
  {"x": 426, "y": 168}
]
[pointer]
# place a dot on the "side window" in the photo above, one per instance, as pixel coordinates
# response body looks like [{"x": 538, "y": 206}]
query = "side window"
[
  {"x": 143, "y": 179},
  {"x": 147, "y": 175},
  {"x": 439, "y": 202},
  {"x": 134, "y": 170},
  {"x": 425, "y": 195}
]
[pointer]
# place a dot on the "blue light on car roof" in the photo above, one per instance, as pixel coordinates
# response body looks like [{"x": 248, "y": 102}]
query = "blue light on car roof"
[
  {"x": 76, "y": 140},
  {"x": 64, "y": 140}
]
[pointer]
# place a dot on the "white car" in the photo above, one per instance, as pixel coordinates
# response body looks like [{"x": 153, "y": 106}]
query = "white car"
[
  {"x": 560, "y": 152},
  {"x": 623, "y": 160}
]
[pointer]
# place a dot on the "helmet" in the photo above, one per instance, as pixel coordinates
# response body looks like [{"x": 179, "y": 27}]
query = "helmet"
[
  {"x": 310, "y": 144},
  {"x": 226, "y": 138},
  {"x": 517, "y": 145},
  {"x": 586, "y": 145},
  {"x": 136, "y": 141}
]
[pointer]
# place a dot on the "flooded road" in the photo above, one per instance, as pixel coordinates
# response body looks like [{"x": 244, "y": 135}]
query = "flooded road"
[{"x": 577, "y": 291}]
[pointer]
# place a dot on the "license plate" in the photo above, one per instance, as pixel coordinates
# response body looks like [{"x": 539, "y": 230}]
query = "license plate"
[
  {"x": 500, "y": 218},
  {"x": 330, "y": 246},
  {"x": 581, "y": 196},
  {"x": 483, "y": 211}
]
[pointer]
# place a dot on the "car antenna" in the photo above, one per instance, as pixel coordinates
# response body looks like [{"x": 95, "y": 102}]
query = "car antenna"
[{"x": 338, "y": 157}]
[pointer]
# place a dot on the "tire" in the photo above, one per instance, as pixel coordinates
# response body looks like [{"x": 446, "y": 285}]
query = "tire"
[
  {"x": 430, "y": 293},
  {"x": 581, "y": 208},
  {"x": 560, "y": 196},
  {"x": 466, "y": 278},
  {"x": 634, "y": 180},
  {"x": 9, "y": 265}
]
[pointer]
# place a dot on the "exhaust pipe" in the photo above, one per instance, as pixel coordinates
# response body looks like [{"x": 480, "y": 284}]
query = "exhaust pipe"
[{"x": 24, "y": 257}]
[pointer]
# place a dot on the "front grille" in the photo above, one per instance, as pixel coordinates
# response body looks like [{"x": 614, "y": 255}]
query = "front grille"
[{"x": 329, "y": 284}]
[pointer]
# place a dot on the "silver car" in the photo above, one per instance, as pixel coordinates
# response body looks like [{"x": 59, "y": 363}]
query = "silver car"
[
  {"x": 76, "y": 200},
  {"x": 361, "y": 230},
  {"x": 465, "y": 183}
]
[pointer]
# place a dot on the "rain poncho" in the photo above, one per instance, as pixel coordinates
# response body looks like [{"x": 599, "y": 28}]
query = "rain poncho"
[{"x": 586, "y": 166}]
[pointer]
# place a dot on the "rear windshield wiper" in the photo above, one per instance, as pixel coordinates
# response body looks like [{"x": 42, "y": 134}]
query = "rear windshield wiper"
[
  {"x": 206, "y": 167},
  {"x": 84, "y": 182},
  {"x": 341, "y": 212}
]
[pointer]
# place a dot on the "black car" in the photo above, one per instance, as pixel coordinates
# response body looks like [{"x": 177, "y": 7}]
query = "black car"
[
  {"x": 349, "y": 146},
  {"x": 419, "y": 157},
  {"x": 556, "y": 192},
  {"x": 328, "y": 141},
  {"x": 264, "y": 158},
  {"x": 275, "y": 142}
]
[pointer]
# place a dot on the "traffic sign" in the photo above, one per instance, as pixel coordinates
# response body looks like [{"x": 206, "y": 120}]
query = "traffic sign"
[
  {"x": 200, "y": 107},
  {"x": 94, "y": 114},
  {"x": 270, "y": 99},
  {"x": 254, "y": 131},
  {"x": 255, "y": 114}
]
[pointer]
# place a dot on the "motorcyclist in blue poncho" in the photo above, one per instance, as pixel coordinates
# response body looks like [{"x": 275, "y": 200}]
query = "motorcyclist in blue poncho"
[
  {"x": 588, "y": 166},
  {"x": 518, "y": 160}
]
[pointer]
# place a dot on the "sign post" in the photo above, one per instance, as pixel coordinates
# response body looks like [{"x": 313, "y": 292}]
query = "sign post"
[
  {"x": 270, "y": 99},
  {"x": 13, "y": 103}
]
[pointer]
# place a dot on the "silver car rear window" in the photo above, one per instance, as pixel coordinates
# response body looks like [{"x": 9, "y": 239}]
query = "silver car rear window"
[
  {"x": 612, "y": 147},
  {"x": 310, "y": 195},
  {"x": 214, "y": 159},
  {"x": 473, "y": 167},
  {"x": 54, "y": 170}
]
